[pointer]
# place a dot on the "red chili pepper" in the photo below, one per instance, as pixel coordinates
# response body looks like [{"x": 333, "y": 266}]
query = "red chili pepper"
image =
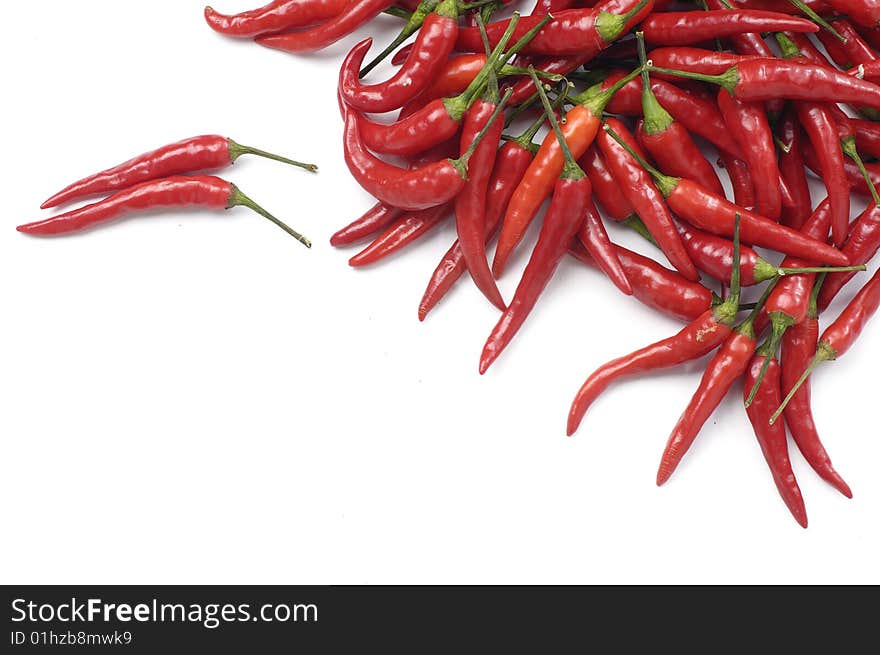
[
  {"x": 645, "y": 198},
  {"x": 863, "y": 12},
  {"x": 854, "y": 175},
  {"x": 403, "y": 231},
  {"x": 862, "y": 243},
  {"x": 561, "y": 223},
  {"x": 373, "y": 220},
  {"x": 798, "y": 346},
  {"x": 712, "y": 213},
  {"x": 571, "y": 32},
  {"x": 772, "y": 437},
  {"x": 791, "y": 168},
  {"x": 430, "y": 52},
  {"x": 689, "y": 27},
  {"x": 867, "y": 135},
  {"x": 656, "y": 286},
  {"x": 840, "y": 335},
  {"x": 580, "y": 127},
  {"x": 714, "y": 256},
  {"x": 355, "y": 14},
  {"x": 276, "y": 16},
  {"x": 803, "y": 47},
  {"x": 698, "y": 60},
  {"x": 201, "y": 153},
  {"x": 855, "y": 47},
  {"x": 740, "y": 180},
  {"x": 454, "y": 77},
  {"x": 170, "y": 192},
  {"x": 700, "y": 337},
  {"x": 605, "y": 188},
  {"x": 595, "y": 239},
  {"x": 748, "y": 125}
]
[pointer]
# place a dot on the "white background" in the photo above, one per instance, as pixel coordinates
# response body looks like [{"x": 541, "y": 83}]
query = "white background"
[{"x": 195, "y": 398}]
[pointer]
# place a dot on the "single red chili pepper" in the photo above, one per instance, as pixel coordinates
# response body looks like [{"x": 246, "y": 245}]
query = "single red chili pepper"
[
  {"x": 414, "y": 22},
  {"x": 668, "y": 142},
  {"x": 414, "y": 189},
  {"x": 374, "y": 219},
  {"x": 791, "y": 168},
  {"x": 855, "y": 174},
  {"x": 571, "y": 32},
  {"x": 855, "y": 47},
  {"x": 698, "y": 60},
  {"x": 764, "y": 79},
  {"x": 772, "y": 438},
  {"x": 170, "y": 192},
  {"x": 355, "y": 14},
  {"x": 628, "y": 99},
  {"x": 725, "y": 367},
  {"x": 605, "y": 188},
  {"x": 698, "y": 338},
  {"x": 201, "y": 153},
  {"x": 656, "y": 286},
  {"x": 595, "y": 239},
  {"x": 748, "y": 124},
  {"x": 565, "y": 64},
  {"x": 861, "y": 245},
  {"x": 740, "y": 180},
  {"x": 705, "y": 210},
  {"x": 863, "y": 12},
  {"x": 840, "y": 335},
  {"x": 867, "y": 133},
  {"x": 430, "y": 52},
  {"x": 561, "y": 223},
  {"x": 798, "y": 346},
  {"x": 276, "y": 16},
  {"x": 785, "y": 6},
  {"x": 714, "y": 256},
  {"x": 675, "y": 28},
  {"x": 404, "y": 231},
  {"x": 454, "y": 77},
  {"x": 645, "y": 198},
  {"x": 580, "y": 127}
]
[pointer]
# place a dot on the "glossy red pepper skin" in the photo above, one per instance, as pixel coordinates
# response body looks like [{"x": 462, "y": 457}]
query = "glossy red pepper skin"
[
  {"x": 715, "y": 214},
  {"x": 697, "y": 60},
  {"x": 867, "y": 135},
  {"x": 510, "y": 165},
  {"x": 429, "y": 54},
  {"x": 821, "y": 130},
  {"x": 470, "y": 204},
  {"x": 772, "y": 437},
  {"x": 839, "y": 337},
  {"x": 355, "y": 14},
  {"x": 201, "y": 153},
  {"x": 725, "y": 367},
  {"x": 605, "y": 188},
  {"x": 713, "y": 255},
  {"x": 414, "y": 189},
  {"x": 853, "y": 175},
  {"x": 404, "y": 231},
  {"x": 791, "y": 168},
  {"x": 861, "y": 245},
  {"x": 417, "y": 132},
  {"x": 561, "y": 223},
  {"x": 676, "y": 28},
  {"x": 274, "y": 17},
  {"x": 638, "y": 188},
  {"x": 594, "y": 238},
  {"x": 740, "y": 180},
  {"x": 171, "y": 192},
  {"x": 748, "y": 124},
  {"x": 698, "y": 338},
  {"x": 675, "y": 153},
  {"x": 453, "y": 78},
  {"x": 857, "y": 50},
  {"x": 374, "y": 219},
  {"x": 798, "y": 347},
  {"x": 863, "y": 12}
]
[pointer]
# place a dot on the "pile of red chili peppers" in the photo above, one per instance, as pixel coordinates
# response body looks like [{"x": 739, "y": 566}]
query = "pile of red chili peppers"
[{"x": 635, "y": 93}]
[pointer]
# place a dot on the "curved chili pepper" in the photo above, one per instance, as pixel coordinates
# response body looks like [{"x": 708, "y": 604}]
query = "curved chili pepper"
[
  {"x": 647, "y": 201},
  {"x": 373, "y": 220},
  {"x": 740, "y": 180},
  {"x": 355, "y": 14},
  {"x": 595, "y": 239},
  {"x": 453, "y": 78},
  {"x": 862, "y": 243},
  {"x": 863, "y": 12},
  {"x": 401, "y": 233},
  {"x": 571, "y": 32},
  {"x": 276, "y": 16},
  {"x": 840, "y": 335},
  {"x": 170, "y": 192},
  {"x": 791, "y": 168},
  {"x": 561, "y": 223},
  {"x": 698, "y": 338},
  {"x": 605, "y": 187},
  {"x": 705, "y": 210},
  {"x": 748, "y": 125},
  {"x": 772, "y": 438},
  {"x": 656, "y": 286},
  {"x": 430, "y": 52},
  {"x": 201, "y": 153},
  {"x": 689, "y": 27},
  {"x": 798, "y": 346},
  {"x": 580, "y": 127},
  {"x": 414, "y": 22}
]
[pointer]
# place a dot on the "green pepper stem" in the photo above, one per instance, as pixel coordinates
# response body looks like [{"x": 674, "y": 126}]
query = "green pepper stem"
[
  {"x": 610, "y": 26},
  {"x": 635, "y": 223},
  {"x": 398, "y": 12},
  {"x": 824, "y": 353},
  {"x": 656, "y": 118},
  {"x": 665, "y": 183},
  {"x": 491, "y": 93},
  {"x": 727, "y": 80},
  {"x": 595, "y": 99},
  {"x": 466, "y": 97},
  {"x": 787, "y": 47},
  {"x": 813, "y": 308},
  {"x": 236, "y": 150},
  {"x": 816, "y": 18},
  {"x": 239, "y": 199},
  {"x": 413, "y": 23},
  {"x": 782, "y": 272},
  {"x": 524, "y": 140},
  {"x": 571, "y": 170},
  {"x": 747, "y": 326},
  {"x": 848, "y": 145},
  {"x": 780, "y": 322}
]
